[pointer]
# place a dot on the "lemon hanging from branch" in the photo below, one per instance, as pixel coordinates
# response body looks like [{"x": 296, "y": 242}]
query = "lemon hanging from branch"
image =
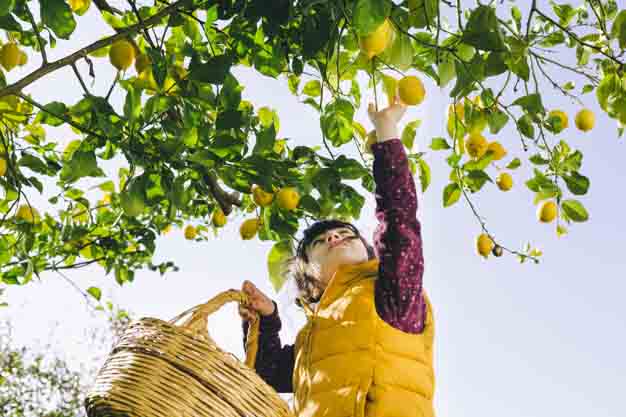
[
  {"x": 10, "y": 56},
  {"x": 122, "y": 55},
  {"x": 375, "y": 43},
  {"x": 411, "y": 90}
]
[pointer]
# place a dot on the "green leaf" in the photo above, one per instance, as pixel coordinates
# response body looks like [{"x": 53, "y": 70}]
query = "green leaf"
[
  {"x": 531, "y": 103},
  {"x": 8, "y": 22},
  {"x": 514, "y": 164},
  {"x": 190, "y": 136},
  {"x": 49, "y": 113},
  {"x": 94, "y": 292},
  {"x": 423, "y": 13},
  {"x": 312, "y": 88},
  {"x": 424, "y": 173},
  {"x": 265, "y": 140},
  {"x": 408, "y": 133},
  {"x": 82, "y": 164},
  {"x": 57, "y": 15},
  {"x": 537, "y": 159},
  {"x": 525, "y": 126},
  {"x": 214, "y": 71},
  {"x": 565, "y": 12},
  {"x": 348, "y": 169},
  {"x": 575, "y": 210},
  {"x": 446, "y": 71},
  {"x": 34, "y": 163},
  {"x": 367, "y": 15},
  {"x": 401, "y": 52},
  {"x": 276, "y": 258},
  {"x": 6, "y": 6},
  {"x": 438, "y": 144},
  {"x": 467, "y": 76},
  {"x": 451, "y": 194},
  {"x": 483, "y": 31},
  {"x": 497, "y": 120},
  {"x": 576, "y": 183},
  {"x": 618, "y": 31},
  {"x": 107, "y": 186}
]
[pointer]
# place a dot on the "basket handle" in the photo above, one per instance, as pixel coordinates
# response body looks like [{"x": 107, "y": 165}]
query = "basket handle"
[{"x": 197, "y": 321}]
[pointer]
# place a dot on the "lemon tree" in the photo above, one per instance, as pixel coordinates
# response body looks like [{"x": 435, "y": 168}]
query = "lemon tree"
[{"x": 193, "y": 152}]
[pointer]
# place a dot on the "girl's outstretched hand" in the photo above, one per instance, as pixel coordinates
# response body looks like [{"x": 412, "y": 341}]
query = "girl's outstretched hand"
[
  {"x": 386, "y": 120},
  {"x": 259, "y": 302}
]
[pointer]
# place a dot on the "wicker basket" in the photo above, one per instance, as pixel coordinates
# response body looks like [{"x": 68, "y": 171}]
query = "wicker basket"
[{"x": 161, "y": 369}]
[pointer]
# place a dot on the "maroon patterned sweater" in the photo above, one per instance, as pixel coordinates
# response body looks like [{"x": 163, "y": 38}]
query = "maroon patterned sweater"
[{"x": 398, "y": 246}]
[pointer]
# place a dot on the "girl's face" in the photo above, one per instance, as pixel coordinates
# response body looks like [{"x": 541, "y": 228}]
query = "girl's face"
[{"x": 333, "y": 248}]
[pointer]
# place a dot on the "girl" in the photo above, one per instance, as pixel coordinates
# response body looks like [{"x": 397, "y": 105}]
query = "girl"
[{"x": 366, "y": 349}]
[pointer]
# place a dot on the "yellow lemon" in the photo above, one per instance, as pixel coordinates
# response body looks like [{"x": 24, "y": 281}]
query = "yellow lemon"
[
  {"x": 376, "y": 42},
  {"x": 249, "y": 228},
  {"x": 3, "y": 167},
  {"x": 10, "y": 56},
  {"x": 23, "y": 58},
  {"x": 504, "y": 181},
  {"x": 498, "y": 150},
  {"x": 546, "y": 212},
  {"x": 190, "y": 232},
  {"x": 288, "y": 198},
  {"x": 219, "y": 218},
  {"x": 122, "y": 54},
  {"x": 562, "y": 117},
  {"x": 27, "y": 213},
  {"x": 484, "y": 245},
  {"x": 261, "y": 197},
  {"x": 585, "y": 120},
  {"x": 411, "y": 90},
  {"x": 142, "y": 63},
  {"x": 79, "y": 6},
  {"x": 476, "y": 145}
]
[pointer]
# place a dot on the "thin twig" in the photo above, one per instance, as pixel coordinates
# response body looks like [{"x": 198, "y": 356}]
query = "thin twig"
[
  {"x": 40, "y": 41},
  {"x": 80, "y": 79}
]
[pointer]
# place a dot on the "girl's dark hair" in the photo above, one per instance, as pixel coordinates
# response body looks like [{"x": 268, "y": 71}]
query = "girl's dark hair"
[{"x": 298, "y": 266}]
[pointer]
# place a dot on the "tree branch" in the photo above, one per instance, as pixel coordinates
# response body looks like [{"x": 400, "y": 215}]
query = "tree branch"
[
  {"x": 225, "y": 200},
  {"x": 68, "y": 60}
]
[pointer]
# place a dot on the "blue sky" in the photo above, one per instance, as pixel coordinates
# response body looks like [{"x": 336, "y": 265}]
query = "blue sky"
[{"x": 511, "y": 339}]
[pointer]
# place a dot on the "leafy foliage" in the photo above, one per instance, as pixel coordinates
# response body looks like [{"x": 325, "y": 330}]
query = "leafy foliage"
[{"x": 190, "y": 145}]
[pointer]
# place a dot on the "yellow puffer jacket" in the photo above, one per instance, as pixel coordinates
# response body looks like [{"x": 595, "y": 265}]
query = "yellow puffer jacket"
[{"x": 350, "y": 362}]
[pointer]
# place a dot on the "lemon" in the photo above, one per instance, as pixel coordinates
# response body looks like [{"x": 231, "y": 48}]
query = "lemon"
[
  {"x": 79, "y": 6},
  {"x": 23, "y": 58},
  {"x": 27, "y": 213},
  {"x": 249, "y": 228},
  {"x": 3, "y": 167},
  {"x": 219, "y": 218},
  {"x": 10, "y": 56},
  {"x": 190, "y": 232},
  {"x": 456, "y": 125},
  {"x": 484, "y": 245},
  {"x": 376, "y": 42},
  {"x": 288, "y": 198},
  {"x": 142, "y": 63},
  {"x": 504, "y": 181},
  {"x": 585, "y": 120},
  {"x": 546, "y": 211},
  {"x": 562, "y": 117},
  {"x": 122, "y": 54},
  {"x": 411, "y": 90},
  {"x": 498, "y": 150},
  {"x": 476, "y": 145},
  {"x": 261, "y": 197}
]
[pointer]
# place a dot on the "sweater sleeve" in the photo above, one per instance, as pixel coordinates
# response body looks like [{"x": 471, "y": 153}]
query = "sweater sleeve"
[
  {"x": 274, "y": 363},
  {"x": 397, "y": 240}
]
